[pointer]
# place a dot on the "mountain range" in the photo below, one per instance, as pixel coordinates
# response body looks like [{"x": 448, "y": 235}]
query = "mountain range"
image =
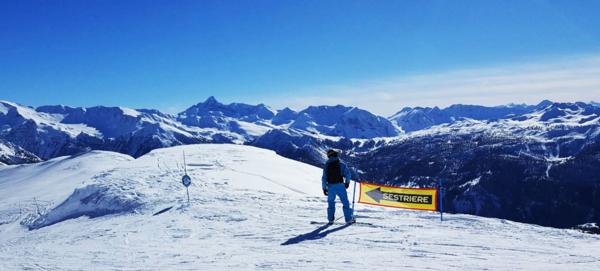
[{"x": 530, "y": 163}]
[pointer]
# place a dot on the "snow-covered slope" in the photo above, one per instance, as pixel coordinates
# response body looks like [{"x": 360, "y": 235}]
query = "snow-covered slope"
[
  {"x": 53, "y": 180},
  {"x": 250, "y": 209},
  {"x": 13, "y": 154}
]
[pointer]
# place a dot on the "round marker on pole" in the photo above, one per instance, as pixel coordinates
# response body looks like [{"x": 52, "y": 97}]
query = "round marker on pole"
[{"x": 186, "y": 180}]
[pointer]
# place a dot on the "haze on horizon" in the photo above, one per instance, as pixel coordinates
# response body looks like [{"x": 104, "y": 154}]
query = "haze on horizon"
[{"x": 378, "y": 56}]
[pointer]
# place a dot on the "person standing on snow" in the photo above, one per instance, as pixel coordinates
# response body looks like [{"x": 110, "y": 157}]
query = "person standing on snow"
[{"x": 335, "y": 181}]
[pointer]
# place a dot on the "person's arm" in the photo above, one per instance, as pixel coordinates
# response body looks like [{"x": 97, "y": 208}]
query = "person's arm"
[{"x": 347, "y": 174}]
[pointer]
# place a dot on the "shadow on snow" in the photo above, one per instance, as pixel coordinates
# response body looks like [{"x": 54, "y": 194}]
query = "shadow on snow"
[{"x": 318, "y": 233}]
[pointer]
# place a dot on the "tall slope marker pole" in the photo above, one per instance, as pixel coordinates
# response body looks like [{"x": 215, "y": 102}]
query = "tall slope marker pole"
[
  {"x": 354, "y": 194},
  {"x": 186, "y": 180}
]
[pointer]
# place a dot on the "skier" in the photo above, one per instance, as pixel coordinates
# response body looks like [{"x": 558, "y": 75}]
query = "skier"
[{"x": 335, "y": 181}]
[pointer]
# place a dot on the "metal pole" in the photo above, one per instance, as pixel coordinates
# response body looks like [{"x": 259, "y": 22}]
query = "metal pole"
[
  {"x": 441, "y": 191},
  {"x": 187, "y": 190},
  {"x": 184, "y": 165},
  {"x": 353, "y": 197},
  {"x": 188, "y": 194}
]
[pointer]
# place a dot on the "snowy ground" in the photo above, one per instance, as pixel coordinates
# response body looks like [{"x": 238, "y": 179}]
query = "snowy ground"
[{"x": 250, "y": 209}]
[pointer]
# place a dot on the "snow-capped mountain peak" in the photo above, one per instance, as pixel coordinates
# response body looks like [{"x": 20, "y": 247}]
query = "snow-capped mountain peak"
[
  {"x": 246, "y": 120},
  {"x": 284, "y": 116},
  {"x": 213, "y": 108},
  {"x": 349, "y": 122}
]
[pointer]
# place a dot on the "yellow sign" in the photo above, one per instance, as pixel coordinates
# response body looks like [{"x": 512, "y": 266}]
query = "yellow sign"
[{"x": 398, "y": 197}]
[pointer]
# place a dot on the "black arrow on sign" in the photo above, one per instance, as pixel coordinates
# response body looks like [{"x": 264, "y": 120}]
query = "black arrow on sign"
[{"x": 376, "y": 194}]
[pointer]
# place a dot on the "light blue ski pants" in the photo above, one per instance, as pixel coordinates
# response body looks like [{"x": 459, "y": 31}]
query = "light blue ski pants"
[{"x": 338, "y": 190}]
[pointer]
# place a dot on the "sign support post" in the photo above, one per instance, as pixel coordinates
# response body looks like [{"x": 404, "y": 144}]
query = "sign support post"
[
  {"x": 441, "y": 192},
  {"x": 353, "y": 197}
]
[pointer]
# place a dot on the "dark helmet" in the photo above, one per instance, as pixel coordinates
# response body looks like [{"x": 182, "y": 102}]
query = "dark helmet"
[{"x": 332, "y": 153}]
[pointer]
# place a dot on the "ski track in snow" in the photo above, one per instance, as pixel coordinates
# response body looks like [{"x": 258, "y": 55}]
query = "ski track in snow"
[{"x": 258, "y": 217}]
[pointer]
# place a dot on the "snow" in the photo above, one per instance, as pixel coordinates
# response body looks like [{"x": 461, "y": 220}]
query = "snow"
[
  {"x": 130, "y": 112},
  {"x": 250, "y": 209},
  {"x": 13, "y": 154},
  {"x": 339, "y": 120},
  {"x": 3, "y": 108},
  {"x": 531, "y": 128},
  {"x": 55, "y": 179},
  {"x": 6, "y": 150},
  {"x": 473, "y": 182},
  {"x": 92, "y": 201},
  {"x": 253, "y": 129}
]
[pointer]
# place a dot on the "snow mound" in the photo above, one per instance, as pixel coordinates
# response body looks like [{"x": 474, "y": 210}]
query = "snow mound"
[
  {"x": 92, "y": 201},
  {"x": 53, "y": 180}
]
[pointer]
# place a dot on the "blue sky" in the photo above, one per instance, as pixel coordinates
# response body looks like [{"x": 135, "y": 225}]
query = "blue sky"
[{"x": 379, "y": 55}]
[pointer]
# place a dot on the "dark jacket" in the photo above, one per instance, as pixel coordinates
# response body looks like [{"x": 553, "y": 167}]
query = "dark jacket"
[{"x": 345, "y": 172}]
